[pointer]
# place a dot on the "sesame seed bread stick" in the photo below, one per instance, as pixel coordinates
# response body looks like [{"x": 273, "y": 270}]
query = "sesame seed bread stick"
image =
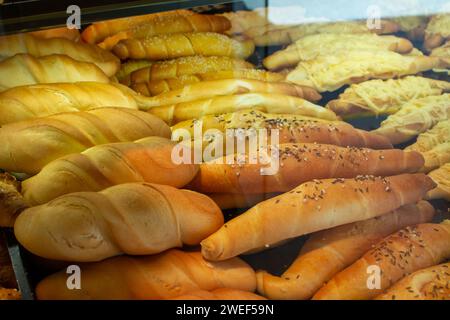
[
  {"x": 311, "y": 207},
  {"x": 398, "y": 255},
  {"x": 327, "y": 252},
  {"x": 299, "y": 163}
]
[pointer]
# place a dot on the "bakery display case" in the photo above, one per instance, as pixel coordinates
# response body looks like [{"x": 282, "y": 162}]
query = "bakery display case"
[{"x": 225, "y": 150}]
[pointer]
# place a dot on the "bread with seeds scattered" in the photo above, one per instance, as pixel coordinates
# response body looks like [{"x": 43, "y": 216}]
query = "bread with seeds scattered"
[
  {"x": 311, "y": 207},
  {"x": 396, "y": 256}
]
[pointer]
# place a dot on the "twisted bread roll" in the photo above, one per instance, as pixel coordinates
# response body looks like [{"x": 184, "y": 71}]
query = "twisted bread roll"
[
  {"x": 415, "y": 117},
  {"x": 292, "y": 128},
  {"x": 185, "y": 66},
  {"x": 441, "y": 177},
  {"x": 385, "y": 96},
  {"x": 98, "y": 31},
  {"x": 171, "y": 46},
  {"x": 28, "y": 146},
  {"x": 314, "y": 206},
  {"x": 103, "y": 166},
  {"x": 132, "y": 218},
  {"x": 243, "y": 20},
  {"x": 398, "y": 255},
  {"x": 327, "y": 252},
  {"x": 431, "y": 283},
  {"x": 62, "y": 32},
  {"x": 12, "y": 202},
  {"x": 24, "y": 69},
  {"x": 270, "y": 103},
  {"x": 26, "y": 43},
  {"x": 299, "y": 163},
  {"x": 163, "y": 276},
  {"x": 28, "y": 102},
  {"x": 130, "y": 66},
  {"x": 329, "y": 73},
  {"x": 228, "y": 87},
  {"x": 310, "y": 47},
  {"x": 220, "y": 294},
  {"x": 437, "y": 31}
]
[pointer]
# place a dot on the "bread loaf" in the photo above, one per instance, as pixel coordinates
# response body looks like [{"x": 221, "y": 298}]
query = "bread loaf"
[
  {"x": 327, "y": 252},
  {"x": 131, "y": 218},
  {"x": 167, "y": 275},
  {"x": 106, "y": 165},
  {"x": 376, "y": 97},
  {"x": 312, "y": 46},
  {"x": 398, "y": 255},
  {"x": 265, "y": 102},
  {"x": 220, "y": 294},
  {"x": 441, "y": 177},
  {"x": 27, "y": 146},
  {"x": 431, "y": 283},
  {"x": 228, "y": 87},
  {"x": 28, "y": 102},
  {"x": 185, "y": 66},
  {"x": 291, "y": 128},
  {"x": 62, "y": 32},
  {"x": 130, "y": 66},
  {"x": 171, "y": 46},
  {"x": 26, "y": 43},
  {"x": 314, "y": 206},
  {"x": 298, "y": 163},
  {"x": 24, "y": 69}
]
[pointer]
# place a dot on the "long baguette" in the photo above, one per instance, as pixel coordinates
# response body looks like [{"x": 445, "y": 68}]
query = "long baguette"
[
  {"x": 291, "y": 128},
  {"x": 299, "y": 163},
  {"x": 171, "y": 46},
  {"x": 33, "y": 101},
  {"x": 431, "y": 283},
  {"x": 27, "y": 146},
  {"x": 327, "y": 252},
  {"x": 185, "y": 66},
  {"x": 131, "y": 218},
  {"x": 314, "y": 206},
  {"x": 26, "y": 43},
  {"x": 270, "y": 103},
  {"x": 162, "y": 276},
  {"x": 228, "y": 87},
  {"x": 220, "y": 294},
  {"x": 24, "y": 69},
  {"x": 106, "y": 165},
  {"x": 396, "y": 256}
]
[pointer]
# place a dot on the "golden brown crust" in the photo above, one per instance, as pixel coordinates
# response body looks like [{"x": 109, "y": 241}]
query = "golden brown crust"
[
  {"x": 233, "y": 200},
  {"x": 220, "y": 294}
]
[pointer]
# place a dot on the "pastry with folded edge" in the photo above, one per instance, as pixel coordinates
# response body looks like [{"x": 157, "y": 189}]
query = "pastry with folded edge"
[
  {"x": 375, "y": 97},
  {"x": 310, "y": 47},
  {"x": 441, "y": 177},
  {"x": 431, "y": 283},
  {"x": 163, "y": 276},
  {"x": 437, "y": 31},
  {"x": 415, "y": 117},
  {"x": 327, "y": 252},
  {"x": 396, "y": 256},
  {"x": 311, "y": 207},
  {"x": 329, "y": 73}
]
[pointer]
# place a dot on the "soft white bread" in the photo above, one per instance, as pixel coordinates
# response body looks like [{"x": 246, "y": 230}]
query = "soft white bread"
[
  {"x": 311, "y": 207},
  {"x": 299, "y": 163},
  {"x": 12, "y": 202},
  {"x": 33, "y": 101},
  {"x": 24, "y": 69},
  {"x": 376, "y": 97},
  {"x": 131, "y": 218},
  {"x": 26, "y": 43},
  {"x": 27, "y": 146},
  {"x": 220, "y": 294},
  {"x": 228, "y": 87},
  {"x": 396, "y": 256},
  {"x": 431, "y": 283},
  {"x": 415, "y": 117},
  {"x": 329, "y": 73},
  {"x": 106, "y": 165},
  {"x": 185, "y": 66},
  {"x": 171, "y": 46},
  {"x": 327, "y": 252},
  {"x": 163, "y": 276},
  {"x": 265, "y": 102},
  {"x": 442, "y": 177},
  {"x": 310, "y": 47},
  {"x": 291, "y": 128}
]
